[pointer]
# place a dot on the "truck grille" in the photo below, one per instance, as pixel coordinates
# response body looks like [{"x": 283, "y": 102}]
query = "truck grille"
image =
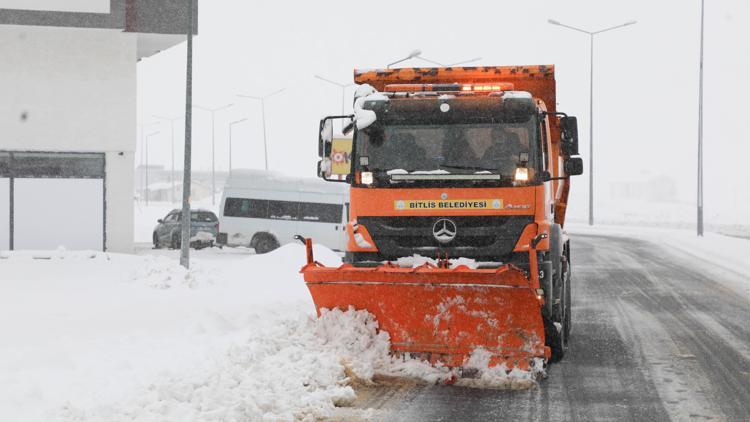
[{"x": 489, "y": 237}]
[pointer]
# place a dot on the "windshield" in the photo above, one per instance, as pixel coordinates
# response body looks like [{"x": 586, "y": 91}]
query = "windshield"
[
  {"x": 456, "y": 148},
  {"x": 203, "y": 217}
]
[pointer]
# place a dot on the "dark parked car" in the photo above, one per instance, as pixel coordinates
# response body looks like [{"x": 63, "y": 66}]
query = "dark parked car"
[{"x": 204, "y": 226}]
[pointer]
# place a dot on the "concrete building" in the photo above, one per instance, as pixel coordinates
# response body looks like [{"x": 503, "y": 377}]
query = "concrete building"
[{"x": 68, "y": 116}]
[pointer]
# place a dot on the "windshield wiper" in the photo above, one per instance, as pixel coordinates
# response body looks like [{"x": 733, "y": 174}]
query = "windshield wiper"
[{"x": 475, "y": 168}]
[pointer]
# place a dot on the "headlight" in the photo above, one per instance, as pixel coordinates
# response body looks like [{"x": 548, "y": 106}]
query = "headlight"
[
  {"x": 366, "y": 178},
  {"x": 522, "y": 174}
]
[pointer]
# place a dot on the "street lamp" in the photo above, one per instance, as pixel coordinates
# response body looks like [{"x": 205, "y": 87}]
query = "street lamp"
[
  {"x": 213, "y": 145},
  {"x": 145, "y": 147},
  {"x": 413, "y": 54},
  {"x": 263, "y": 115},
  {"x": 143, "y": 151},
  {"x": 591, "y": 106},
  {"x": 171, "y": 120},
  {"x": 343, "y": 93},
  {"x": 699, "y": 199},
  {"x": 230, "y": 141}
]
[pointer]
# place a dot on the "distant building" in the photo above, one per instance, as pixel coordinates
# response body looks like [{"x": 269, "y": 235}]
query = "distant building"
[{"x": 68, "y": 116}]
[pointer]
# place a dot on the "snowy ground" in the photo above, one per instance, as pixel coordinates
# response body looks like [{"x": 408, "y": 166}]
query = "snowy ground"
[{"x": 95, "y": 336}]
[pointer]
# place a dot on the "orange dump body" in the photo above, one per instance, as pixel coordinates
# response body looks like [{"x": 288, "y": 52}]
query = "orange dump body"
[{"x": 440, "y": 314}]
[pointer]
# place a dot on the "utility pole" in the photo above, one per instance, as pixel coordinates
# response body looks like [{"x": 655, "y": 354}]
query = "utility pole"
[
  {"x": 171, "y": 120},
  {"x": 263, "y": 116},
  {"x": 700, "y": 135},
  {"x": 213, "y": 145},
  {"x": 185, "y": 223},
  {"x": 591, "y": 104}
]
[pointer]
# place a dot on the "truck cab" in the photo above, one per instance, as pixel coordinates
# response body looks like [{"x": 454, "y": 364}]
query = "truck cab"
[{"x": 456, "y": 169}]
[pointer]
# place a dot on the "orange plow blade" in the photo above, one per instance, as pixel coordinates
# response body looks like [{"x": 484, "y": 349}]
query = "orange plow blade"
[{"x": 441, "y": 314}]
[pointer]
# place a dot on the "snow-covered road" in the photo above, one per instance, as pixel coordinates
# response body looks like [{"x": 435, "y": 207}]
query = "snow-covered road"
[{"x": 658, "y": 334}]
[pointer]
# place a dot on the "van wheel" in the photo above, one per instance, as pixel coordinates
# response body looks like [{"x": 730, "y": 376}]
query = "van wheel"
[{"x": 264, "y": 243}]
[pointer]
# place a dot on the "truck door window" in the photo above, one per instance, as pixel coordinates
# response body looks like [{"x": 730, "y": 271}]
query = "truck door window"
[{"x": 543, "y": 140}]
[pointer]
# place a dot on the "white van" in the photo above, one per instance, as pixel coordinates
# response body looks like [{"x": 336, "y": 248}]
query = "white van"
[{"x": 263, "y": 210}]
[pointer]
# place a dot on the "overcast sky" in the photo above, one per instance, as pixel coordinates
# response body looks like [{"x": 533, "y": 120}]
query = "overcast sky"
[{"x": 645, "y": 83}]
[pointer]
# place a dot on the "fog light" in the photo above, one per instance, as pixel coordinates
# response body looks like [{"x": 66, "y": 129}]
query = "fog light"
[
  {"x": 540, "y": 294},
  {"x": 522, "y": 174},
  {"x": 366, "y": 178}
]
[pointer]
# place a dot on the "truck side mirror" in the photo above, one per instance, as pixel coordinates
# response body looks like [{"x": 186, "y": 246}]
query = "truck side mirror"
[
  {"x": 334, "y": 150},
  {"x": 573, "y": 166},
  {"x": 569, "y": 135},
  {"x": 325, "y": 136}
]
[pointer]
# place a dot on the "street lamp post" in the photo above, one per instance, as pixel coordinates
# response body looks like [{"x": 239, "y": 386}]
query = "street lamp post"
[
  {"x": 263, "y": 116},
  {"x": 213, "y": 145},
  {"x": 413, "y": 54},
  {"x": 343, "y": 93},
  {"x": 188, "y": 151},
  {"x": 591, "y": 105},
  {"x": 145, "y": 147},
  {"x": 143, "y": 153},
  {"x": 230, "y": 141},
  {"x": 171, "y": 120},
  {"x": 699, "y": 198}
]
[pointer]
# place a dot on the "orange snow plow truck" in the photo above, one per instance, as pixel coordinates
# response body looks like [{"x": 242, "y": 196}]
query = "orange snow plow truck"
[{"x": 459, "y": 185}]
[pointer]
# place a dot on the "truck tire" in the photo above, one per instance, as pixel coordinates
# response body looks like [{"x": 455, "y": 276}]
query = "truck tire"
[
  {"x": 264, "y": 243},
  {"x": 554, "y": 339},
  {"x": 568, "y": 324},
  {"x": 558, "y": 278}
]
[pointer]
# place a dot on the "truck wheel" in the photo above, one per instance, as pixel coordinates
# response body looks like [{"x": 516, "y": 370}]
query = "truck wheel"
[
  {"x": 554, "y": 338},
  {"x": 568, "y": 323},
  {"x": 264, "y": 243},
  {"x": 558, "y": 278}
]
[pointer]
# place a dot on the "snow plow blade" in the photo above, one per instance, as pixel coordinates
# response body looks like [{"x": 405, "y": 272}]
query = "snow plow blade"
[{"x": 441, "y": 314}]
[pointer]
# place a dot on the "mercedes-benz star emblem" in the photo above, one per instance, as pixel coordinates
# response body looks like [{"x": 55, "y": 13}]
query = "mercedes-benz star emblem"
[{"x": 444, "y": 230}]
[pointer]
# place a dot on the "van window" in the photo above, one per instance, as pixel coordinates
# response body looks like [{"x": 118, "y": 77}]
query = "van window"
[
  {"x": 323, "y": 213},
  {"x": 243, "y": 207},
  {"x": 283, "y": 210}
]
